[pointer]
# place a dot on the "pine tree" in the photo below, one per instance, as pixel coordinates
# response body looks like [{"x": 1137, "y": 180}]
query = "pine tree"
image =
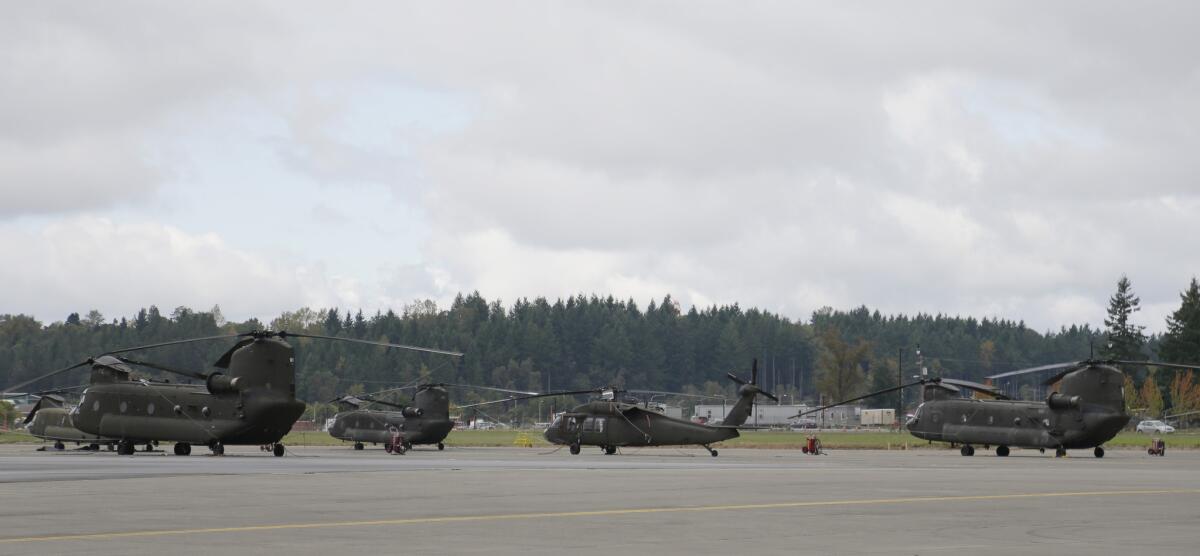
[
  {"x": 1181, "y": 343},
  {"x": 1125, "y": 339}
]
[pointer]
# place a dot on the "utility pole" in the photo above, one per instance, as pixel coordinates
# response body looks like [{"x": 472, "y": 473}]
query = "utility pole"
[{"x": 899, "y": 381}]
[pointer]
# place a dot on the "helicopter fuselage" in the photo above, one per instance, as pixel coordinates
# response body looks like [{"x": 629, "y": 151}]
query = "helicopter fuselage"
[
  {"x": 605, "y": 424},
  {"x": 140, "y": 412},
  {"x": 378, "y": 427},
  {"x": 1021, "y": 424}
]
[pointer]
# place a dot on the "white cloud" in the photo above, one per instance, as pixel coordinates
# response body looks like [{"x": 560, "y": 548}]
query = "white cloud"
[{"x": 937, "y": 157}]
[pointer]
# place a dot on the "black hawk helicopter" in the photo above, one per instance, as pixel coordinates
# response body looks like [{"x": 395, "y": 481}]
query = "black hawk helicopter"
[
  {"x": 611, "y": 424},
  {"x": 50, "y": 419},
  {"x": 425, "y": 421},
  {"x": 1086, "y": 410},
  {"x": 250, "y": 400}
]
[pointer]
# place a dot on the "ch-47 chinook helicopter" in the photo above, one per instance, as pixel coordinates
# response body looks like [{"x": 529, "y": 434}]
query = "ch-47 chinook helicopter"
[
  {"x": 611, "y": 424},
  {"x": 1086, "y": 410},
  {"x": 249, "y": 400},
  {"x": 425, "y": 421},
  {"x": 50, "y": 419}
]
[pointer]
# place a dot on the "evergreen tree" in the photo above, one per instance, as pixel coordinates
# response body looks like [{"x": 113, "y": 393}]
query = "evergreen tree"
[
  {"x": 1181, "y": 343},
  {"x": 1125, "y": 339}
]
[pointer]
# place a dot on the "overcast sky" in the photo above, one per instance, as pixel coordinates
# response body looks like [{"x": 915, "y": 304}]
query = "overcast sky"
[{"x": 1011, "y": 161}]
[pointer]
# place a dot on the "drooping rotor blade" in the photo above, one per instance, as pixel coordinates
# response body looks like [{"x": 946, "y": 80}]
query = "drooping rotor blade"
[
  {"x": 735, "y": 378},
  {"x": 224, "y": 360},
  {"x": 550, "y": 394},
  {"x": 1050, "y": 367},
  {"x": 381, "y": 402},
  {"x": 175, "y": 342},
  {"x": 871, "y": 395},
  {"x": 191, "y": 374},
  {"x": 754, "y": 372},
  {"x": 681, "y": 394},
  {"x": 1154, "y": 364},
  {"x": 1058, "y": 376},
  {"x": 48, "y": 375},
  {"x": 285, "y": 334},
  {"x": 977, "y": 387},
  {"x": 505, "y": 390},
  {"x": 768, "y": 395}
]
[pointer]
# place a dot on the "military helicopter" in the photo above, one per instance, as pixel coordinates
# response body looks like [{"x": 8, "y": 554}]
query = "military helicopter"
[
  {"x": 50, "y": 419},
  {"x": 252, "y": 402},
  {"x": 1086, "y": 410},
  {"x": 425, "y": 421},
  {"x": 610, "y": 423}
]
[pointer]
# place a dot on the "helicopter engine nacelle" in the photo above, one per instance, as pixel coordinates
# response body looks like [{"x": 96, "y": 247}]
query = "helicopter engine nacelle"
[
  {"x": 411, "y": 412},
  {"x": 1059, "y": 401},
  {"x": 223, "y": 384}
]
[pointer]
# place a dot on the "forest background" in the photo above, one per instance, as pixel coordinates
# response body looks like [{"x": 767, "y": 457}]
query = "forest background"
[{"x": 587, "y": 342}]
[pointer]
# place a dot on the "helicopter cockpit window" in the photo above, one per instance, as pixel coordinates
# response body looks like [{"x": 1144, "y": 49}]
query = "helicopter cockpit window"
[
  {"x": 916, "y": 416},
  {"x": 557, "y": 422}
]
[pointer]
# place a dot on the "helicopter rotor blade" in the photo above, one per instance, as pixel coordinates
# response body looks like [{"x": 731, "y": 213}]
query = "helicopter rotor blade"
[
  {"x": 493, "y": 389},
  {"x": 521, "y": 398},
  {"x": 754, "y": 372},
  {"x": 285, "y": 335},
  {"x": 681, "y": 394},
  {"x": 976, "y": 387},
  {"x": 735, "y": 378},
  {"x": 1038, "y": 369},
  {"x": 191, "y": 374},
  {"x": 871, "y": 395},
  {"x": 227, "y": 357},
  {"x": 1154, "y": 364},
  {"x": 381, "y": 402},
  {"x": 88, "y": 361},
  {"x": 173, "y": 343},
  {"x": 768, "y": 395}
]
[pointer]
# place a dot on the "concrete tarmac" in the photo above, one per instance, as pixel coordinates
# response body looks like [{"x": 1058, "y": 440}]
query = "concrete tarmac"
[{"x": 659, "y": 501}]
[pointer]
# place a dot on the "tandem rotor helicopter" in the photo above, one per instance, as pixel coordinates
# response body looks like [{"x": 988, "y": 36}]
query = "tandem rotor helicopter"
[
  {"x": 249, "y": 400},
  {"x": 425, "y": 421},
  {"x": 1085, "y": 410}
]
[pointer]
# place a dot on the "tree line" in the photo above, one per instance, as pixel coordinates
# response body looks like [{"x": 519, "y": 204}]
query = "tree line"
[{"x": 587, "y": 341}]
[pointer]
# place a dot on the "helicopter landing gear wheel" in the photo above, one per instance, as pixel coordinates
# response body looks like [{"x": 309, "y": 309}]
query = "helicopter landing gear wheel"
[
  {"x": 399, "y": 449},
  {"x": 441, "y": 446},
  {"x": 610, "y": 450},
  {"x": 58, "y": 445},
  {"x": 1002, "y": 451},
  {"x": 1099, "y": 452},
  {"x": 711, "y": 451},
  {"x": 183, "y": 448},
  {"x": 149, "y": 447},
  {"x": 966, "y": 450},
  {"x": 575, "y": 449},
  {"x": 358, "y": 445},
  {"x": 94, "y": 447},
  {"x": 1060, "y": 452},
  {"x": 278, "y": 449},
  {"x": 387, "y": 447},
  {"x": 217, "y": 448},
  {"x": 125, "y": 448}
]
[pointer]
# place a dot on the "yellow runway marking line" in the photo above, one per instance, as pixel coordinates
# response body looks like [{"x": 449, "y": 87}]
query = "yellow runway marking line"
[{"x": 593, "y": 513}]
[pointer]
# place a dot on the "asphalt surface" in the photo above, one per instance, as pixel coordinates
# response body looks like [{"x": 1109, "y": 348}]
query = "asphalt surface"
[{"x": 529, "y": 501}]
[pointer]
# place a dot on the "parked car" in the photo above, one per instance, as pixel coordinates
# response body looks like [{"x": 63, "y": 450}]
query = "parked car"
[{"x": 1151, "y": 427}]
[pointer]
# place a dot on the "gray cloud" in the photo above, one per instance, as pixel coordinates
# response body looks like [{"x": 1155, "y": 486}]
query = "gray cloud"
[{"x": 1008, "y": 160}]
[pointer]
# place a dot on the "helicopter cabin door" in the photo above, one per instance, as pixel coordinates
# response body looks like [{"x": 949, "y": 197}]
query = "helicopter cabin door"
[{"x": 595, "y": 430}]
